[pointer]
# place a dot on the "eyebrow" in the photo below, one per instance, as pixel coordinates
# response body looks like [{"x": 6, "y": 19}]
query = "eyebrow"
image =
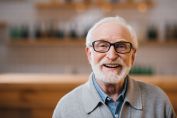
[{"x": 107, "y": 39}]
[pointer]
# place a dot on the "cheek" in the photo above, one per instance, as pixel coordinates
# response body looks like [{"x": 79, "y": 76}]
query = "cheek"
[
  {"x": 97, "y": 57},
  {"x": 128, "y": 60}
]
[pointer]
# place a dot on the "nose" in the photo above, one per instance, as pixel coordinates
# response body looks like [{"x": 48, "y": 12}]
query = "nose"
[{"x": 112, "y": 54}]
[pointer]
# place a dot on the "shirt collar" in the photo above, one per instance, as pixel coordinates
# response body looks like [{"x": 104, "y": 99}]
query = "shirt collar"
[
  {"x": 103, "y": 95},
  {"x": 91, "y": 96}
]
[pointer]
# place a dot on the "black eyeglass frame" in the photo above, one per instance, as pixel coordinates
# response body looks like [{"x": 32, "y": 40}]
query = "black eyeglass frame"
[{"x": 114, "y": 45}]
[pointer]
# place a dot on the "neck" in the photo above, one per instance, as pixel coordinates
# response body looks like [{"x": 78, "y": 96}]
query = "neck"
[{"x": 112, "y": 90}]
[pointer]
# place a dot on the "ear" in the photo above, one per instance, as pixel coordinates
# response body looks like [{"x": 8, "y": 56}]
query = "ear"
[
  {"x": 88, "y": 54},
  {"x": 133, "y": 56}
]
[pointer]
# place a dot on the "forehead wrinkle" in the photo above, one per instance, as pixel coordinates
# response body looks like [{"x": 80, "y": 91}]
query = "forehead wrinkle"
[{"x": 113, "y": 31}]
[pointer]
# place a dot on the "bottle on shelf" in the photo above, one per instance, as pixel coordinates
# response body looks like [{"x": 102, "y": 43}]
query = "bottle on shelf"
[
  {"x": 37, "y": 32},
  {"x": 24, "y": 32},
  {"x": 171, "y": 31},
  {"x": 152, "y": 33},
  {"x": 19, "y": 32},
  {"x": 142, "y": 70}
]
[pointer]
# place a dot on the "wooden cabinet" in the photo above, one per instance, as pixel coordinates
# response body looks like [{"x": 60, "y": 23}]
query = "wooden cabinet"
[
  {"x": 102, "y": 5},
  {"x": 35, "y": 96}
]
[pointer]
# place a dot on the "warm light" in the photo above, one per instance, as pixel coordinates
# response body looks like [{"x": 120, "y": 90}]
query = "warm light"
[{"x": 142, "y": 7}]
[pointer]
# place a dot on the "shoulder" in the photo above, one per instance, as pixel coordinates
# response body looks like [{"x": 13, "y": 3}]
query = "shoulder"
[
  {"x": 151, "y": 90},
  {"x": 72, "y": 96},
  {"x": 68, "y": 103},
  {"x": 153, "y": 95}
]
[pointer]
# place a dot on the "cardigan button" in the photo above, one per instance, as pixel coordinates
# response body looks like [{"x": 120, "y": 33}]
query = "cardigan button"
[{"x": 116, "y": 116}]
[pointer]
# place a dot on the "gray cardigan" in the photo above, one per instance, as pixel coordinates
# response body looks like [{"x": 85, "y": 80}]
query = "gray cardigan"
[{"x": 141, "y": 101}]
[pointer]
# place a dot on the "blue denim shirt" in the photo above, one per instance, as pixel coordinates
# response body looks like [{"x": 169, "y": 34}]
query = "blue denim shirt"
[{"x": 114, "y": 107}]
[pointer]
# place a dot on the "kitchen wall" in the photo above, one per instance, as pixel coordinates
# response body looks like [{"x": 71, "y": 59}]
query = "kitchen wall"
[{"x": 161, "y": 58}]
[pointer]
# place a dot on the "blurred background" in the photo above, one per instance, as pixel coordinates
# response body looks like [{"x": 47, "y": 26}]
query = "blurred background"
[
  {"x": 48, "y": 36},
  {"x": 43, "y": 39}
]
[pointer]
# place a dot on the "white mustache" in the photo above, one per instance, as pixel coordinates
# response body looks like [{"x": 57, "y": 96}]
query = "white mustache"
[{"x": 118, "y": 61}]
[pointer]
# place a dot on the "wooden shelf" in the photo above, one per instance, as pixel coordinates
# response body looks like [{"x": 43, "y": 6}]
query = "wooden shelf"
[
  {"x": 141, "y": 6},
  {"x": 77, "y": 42},
  {"x": 169, "y": 43},
  {"x": 103, "y": 5},
  {"x": 3, "y": 24},
  {"x": 57, "y": 5},
  {"x": 47, "y": 42}
]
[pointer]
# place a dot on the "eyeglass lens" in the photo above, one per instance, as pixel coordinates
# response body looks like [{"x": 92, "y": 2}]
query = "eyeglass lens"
[{"x": 104, "y": 46}]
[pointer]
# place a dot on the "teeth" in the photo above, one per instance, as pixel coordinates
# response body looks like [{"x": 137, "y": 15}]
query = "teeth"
[{"x": 112, "y": 65}]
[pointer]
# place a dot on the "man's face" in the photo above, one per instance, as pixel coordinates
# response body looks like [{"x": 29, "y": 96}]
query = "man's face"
[{"x": 110, "y": 67}]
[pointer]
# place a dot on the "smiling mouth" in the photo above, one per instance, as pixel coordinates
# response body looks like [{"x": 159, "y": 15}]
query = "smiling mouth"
[{"x": 112, "y": 65}]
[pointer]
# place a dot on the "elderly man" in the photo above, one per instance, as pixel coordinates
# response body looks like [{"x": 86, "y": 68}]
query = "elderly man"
[{"x": 111, "y": 46}]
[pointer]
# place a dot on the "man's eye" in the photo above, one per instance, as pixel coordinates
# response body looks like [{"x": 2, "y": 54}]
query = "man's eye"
[
  {"x": 121, "y": 46},
  {"x": 103, "y": 45}
]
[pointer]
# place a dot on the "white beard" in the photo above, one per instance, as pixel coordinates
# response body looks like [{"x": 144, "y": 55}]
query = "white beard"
[{"x": 110, "y": 77}]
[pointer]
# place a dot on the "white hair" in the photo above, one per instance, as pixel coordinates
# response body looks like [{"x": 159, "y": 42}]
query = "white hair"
[{"x": 121, "y": 21}]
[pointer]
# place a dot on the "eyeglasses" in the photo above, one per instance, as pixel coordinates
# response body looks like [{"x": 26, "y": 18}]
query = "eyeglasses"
[{"x": 121, "y": 47}]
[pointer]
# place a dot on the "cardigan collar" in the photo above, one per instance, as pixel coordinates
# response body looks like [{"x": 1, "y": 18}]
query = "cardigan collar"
[
  {"x": 92, "y": 100},
  {"x": 134, "y": 94},
  {"x": 90, "y": 97}
]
